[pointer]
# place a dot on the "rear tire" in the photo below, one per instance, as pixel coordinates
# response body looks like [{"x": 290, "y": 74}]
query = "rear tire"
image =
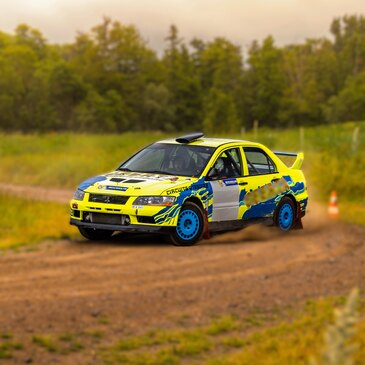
[
  {"x": 190, "y": 226},
  {"x": 285, "y": 214},
  {"x": 94, "y": 234}
]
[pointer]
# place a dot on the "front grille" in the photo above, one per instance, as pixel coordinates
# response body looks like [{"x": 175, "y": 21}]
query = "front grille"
[
  {"x": 105, "y": 218},
  {"x": 108, "y": 199}
]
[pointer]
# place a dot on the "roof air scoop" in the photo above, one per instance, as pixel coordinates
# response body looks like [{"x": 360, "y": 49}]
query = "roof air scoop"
[{"x": 189, "y": 137}]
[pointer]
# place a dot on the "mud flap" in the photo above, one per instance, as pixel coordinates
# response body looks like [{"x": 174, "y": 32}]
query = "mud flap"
[
  {"x": 206, "y": 233},
  {"x": 298, "y": 222}
]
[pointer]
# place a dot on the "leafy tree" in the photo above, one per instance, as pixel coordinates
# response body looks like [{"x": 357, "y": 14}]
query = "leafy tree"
[
  {"x": 265, "y": 80},
  {"x": 25, "y": 35},
  {"x": 220, "y": 113},
  {"x": 158, "y": 110},
  {"x": 67, "y": 90},
  {"x": 310, "y": 79},
  {"x": 109, "y": 79},
  {"x": 349, "y": 104},
  {"x": 182, "y": 83},
  {"x": 101, "y": 114},
  {"x": 349, "y": 44}
]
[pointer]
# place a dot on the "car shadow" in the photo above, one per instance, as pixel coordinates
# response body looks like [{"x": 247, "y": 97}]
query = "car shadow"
[{"x": 128, "y": 240}]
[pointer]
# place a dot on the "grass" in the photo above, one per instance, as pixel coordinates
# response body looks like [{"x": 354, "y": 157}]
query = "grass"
[
  {"x": 64, "y": 160},
  {"x": 63, "y": 344},
  {"x": 8, "y": 345},
  {"x": 45, "y": 341},
  {"x": 352, "y": 212},
  {"x": 26, "y": 222},
  {"x": 238, "y": 341}
]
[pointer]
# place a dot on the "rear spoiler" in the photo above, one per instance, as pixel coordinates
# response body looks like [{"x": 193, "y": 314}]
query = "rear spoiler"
[{"x": 298, "y": 161}]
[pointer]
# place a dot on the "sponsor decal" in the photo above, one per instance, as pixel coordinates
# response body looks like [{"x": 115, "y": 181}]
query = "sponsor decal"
[
  {"x": 137, "y": 206},
  {"x": 266, "y": 192},
  {"x": 177, "y": 190},
  {"x": 187, "y": 188},
  {"x": 230, "y": 182},
  {"x": 118, "y": 188}
]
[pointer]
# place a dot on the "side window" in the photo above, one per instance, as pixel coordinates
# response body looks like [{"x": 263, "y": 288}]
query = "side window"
[
  {"x": 258, "y": 162},
  {"x": 227, "y": 165}
]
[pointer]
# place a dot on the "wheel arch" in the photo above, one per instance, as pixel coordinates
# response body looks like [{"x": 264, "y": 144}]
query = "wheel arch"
[{"x": 197, "y": 201}]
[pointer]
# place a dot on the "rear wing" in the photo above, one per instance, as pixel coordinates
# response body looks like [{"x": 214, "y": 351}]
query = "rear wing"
[{"x": 298, "y": 161}]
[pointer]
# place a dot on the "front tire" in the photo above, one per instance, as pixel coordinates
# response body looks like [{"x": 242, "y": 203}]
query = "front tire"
[
  {"x": 190, "y": 226},
  {"x": 94, "y": 234},
  {"x": 285, "y": 214}
]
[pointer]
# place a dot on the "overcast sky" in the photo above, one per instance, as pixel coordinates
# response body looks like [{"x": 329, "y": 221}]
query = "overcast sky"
[{"x": 241, "y": 21}]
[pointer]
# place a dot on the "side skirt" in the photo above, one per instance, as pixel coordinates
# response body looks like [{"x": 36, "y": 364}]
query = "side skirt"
[{"x": 238, "y": 224}]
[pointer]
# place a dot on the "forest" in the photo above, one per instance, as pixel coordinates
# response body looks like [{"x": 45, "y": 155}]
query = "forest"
[{"x": 109, "y": 80}]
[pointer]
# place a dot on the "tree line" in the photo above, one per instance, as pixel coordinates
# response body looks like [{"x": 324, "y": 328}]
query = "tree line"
[{"x": 110, "y": 80}]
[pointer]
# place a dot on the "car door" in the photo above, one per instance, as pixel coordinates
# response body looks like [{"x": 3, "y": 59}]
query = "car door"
[
  {"x": 258, "y": 186},
  {"x": 223, "y": 176}
]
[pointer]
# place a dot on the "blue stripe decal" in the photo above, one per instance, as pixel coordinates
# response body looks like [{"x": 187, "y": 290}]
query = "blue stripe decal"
[{"x": 87, "y": 183}]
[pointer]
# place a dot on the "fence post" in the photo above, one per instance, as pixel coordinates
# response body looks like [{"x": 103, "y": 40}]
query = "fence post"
[
  {"x": 255, "y": 129},
  {"x": 355, "y": 138},
  {"x": 301, "y": 137}
]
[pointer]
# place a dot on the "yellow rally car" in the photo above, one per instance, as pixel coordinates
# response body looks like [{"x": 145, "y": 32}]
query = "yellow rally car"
[{"x": 190, "y": 186}]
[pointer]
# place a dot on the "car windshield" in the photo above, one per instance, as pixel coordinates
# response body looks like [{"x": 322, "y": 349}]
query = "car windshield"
[{"x": 170, "y": 159}]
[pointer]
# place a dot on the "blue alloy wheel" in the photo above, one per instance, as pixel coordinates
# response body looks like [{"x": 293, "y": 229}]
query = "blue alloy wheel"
[
  {"x": 285, "y": 217},
  {"x": 188, "y": 225}
]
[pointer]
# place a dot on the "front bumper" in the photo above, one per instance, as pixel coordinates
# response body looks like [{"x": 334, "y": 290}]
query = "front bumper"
[{"x": 124, "y": 228}]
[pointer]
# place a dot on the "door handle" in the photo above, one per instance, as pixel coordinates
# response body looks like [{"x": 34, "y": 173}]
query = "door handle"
[{"x": 243, "y": 183}]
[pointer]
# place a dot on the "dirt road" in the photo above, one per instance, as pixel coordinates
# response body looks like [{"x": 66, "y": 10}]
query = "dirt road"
[{"x": 135, "y": 282}]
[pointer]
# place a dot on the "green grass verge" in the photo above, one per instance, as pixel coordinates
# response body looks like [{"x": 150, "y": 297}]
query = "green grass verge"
[
  {"x": 26, "y": 222},
  {"x": 352, "y": 212},
  {"x": 64, "y": 160}
]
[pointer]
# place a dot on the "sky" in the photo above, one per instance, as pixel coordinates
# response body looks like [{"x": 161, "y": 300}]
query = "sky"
[{"x": 241, "y": 21}]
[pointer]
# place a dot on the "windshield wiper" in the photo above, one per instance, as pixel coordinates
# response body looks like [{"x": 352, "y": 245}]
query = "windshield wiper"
[
  {"x": 124, "y": 169},
  {"x": 159, "y": 172}
]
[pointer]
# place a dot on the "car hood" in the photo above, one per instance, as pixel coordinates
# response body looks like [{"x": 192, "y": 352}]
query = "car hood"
[{"x": 133, "y": 183}]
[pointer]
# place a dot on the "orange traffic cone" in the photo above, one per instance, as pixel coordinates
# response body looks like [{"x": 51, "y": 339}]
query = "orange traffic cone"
[{"x": 333, "y": 210}]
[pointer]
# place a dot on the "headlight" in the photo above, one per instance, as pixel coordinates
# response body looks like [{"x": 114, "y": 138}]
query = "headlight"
[
  {"x": 155, "y": 200},
  {"x": 79, "y": 194}
]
